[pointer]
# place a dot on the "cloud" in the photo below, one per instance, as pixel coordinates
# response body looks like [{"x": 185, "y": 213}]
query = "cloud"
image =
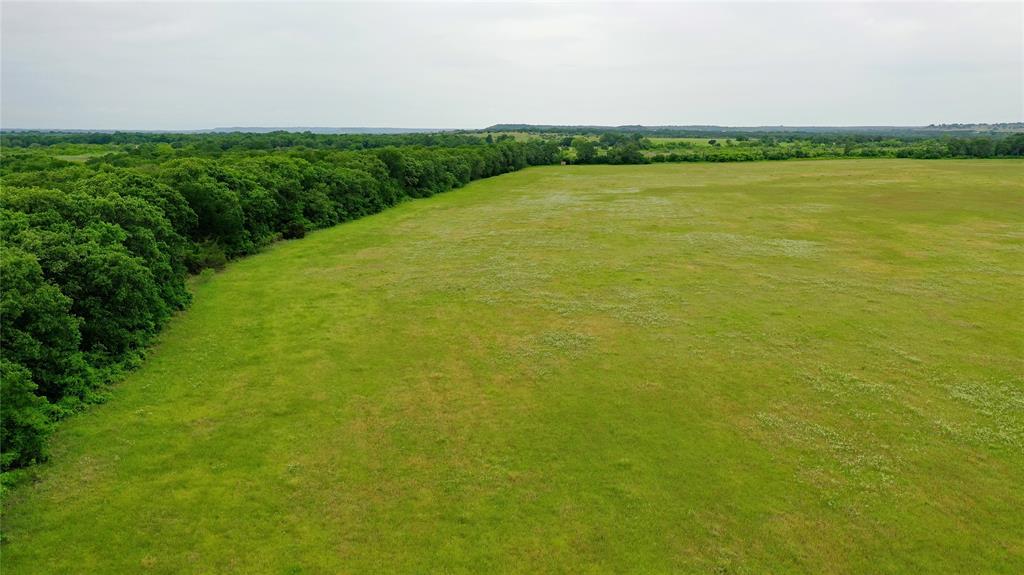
[{"x": 193, "y": 65}]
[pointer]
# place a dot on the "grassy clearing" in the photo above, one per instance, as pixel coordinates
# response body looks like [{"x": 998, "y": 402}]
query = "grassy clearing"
[
  {"x": 733, "y": 368},
  {"x": 79, "y": 158},
  {"x": 517, "y": 136},
  {"x": 693, "y": 141}
]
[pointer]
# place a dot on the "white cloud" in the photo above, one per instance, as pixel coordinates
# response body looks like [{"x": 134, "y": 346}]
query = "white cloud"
[{"x": 172, "y": 66}]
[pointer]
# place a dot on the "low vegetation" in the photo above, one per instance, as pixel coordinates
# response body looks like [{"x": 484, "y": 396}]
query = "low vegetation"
[
  {"x": 806, "y": 366},
  {"x": 636, "y": 148}
]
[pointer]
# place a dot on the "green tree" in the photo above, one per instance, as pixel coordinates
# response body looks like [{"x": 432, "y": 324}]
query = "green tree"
[
  {"x": 586, "y": 149},
  {"x": 25, "y": 418}
]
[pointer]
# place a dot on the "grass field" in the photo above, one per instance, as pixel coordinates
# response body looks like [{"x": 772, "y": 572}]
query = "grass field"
[
  {"x": 517, "y": 136},
  {"x": 784, "y": 367},
  {"x": 79, "y": 158},
  {"x": 694, "y": 141}
]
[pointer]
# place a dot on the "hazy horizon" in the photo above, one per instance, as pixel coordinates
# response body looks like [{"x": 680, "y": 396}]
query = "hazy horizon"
[
  {"x": 404, "y": 129},
  {"x": 179, "y": 67}
]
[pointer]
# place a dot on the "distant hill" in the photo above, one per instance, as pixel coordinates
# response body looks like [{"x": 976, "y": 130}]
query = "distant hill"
[
  {"x": 324, "y": 130},
  {"x": 709, "y": 130},
  {"x": 696, "y": 130}
]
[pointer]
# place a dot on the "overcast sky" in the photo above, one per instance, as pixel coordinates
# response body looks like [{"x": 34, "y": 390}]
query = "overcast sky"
[{"x": 195, "y": 65}]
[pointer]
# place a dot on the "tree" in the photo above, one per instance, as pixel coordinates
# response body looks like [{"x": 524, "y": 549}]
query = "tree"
[
  {"x": 626, "y": 153},
  {"x": 586, "y": 149},
  {"x": 25, "y": 418},
  {"x": 218, "y": 209},
  {"x": 39, "y": 331}
]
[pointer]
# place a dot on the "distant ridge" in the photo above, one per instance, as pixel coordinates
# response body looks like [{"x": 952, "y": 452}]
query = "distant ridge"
[
  {"x": 713, "y": 129},
  {"x": 698, "y": 130},
  {"x": 325, "y": 130}
]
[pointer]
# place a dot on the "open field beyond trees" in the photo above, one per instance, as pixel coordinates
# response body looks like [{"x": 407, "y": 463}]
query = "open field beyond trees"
[{"x": 768, "y": 367}]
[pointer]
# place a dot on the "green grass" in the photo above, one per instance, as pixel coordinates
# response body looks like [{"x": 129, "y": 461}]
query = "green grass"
[
  {"x": 694, "y": 141},
  {"x": 79, "y": 158},
  {"x": 784, "y": 367},
  {"x": 517, "y": 136}
]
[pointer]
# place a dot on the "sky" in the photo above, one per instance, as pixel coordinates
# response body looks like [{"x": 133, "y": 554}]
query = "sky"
[{"x": 171, "y": 66}]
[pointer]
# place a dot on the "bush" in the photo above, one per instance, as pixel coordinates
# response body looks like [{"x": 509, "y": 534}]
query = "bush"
[
  {"x": 26, "y": 418},
  {"x": 293, "y": 229},
  {"x": 207, "y": 255}
]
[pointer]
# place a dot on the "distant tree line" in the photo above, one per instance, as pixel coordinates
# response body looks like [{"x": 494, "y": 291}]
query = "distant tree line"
[
  {"x": 624, "y": 148},
  {"x": 798, "y": 132},
  {"x": 208, "y": 143},
  {"x": 95, "y": 255}
]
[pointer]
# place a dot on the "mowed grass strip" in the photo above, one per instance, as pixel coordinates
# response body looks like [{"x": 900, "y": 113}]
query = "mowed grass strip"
[{"x": 734, "y": 368}]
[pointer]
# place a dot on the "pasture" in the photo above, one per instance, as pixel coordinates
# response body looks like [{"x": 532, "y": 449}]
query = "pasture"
[
  {"x": 669, "y": 142},
  {"x": 771, "y": 367}
]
